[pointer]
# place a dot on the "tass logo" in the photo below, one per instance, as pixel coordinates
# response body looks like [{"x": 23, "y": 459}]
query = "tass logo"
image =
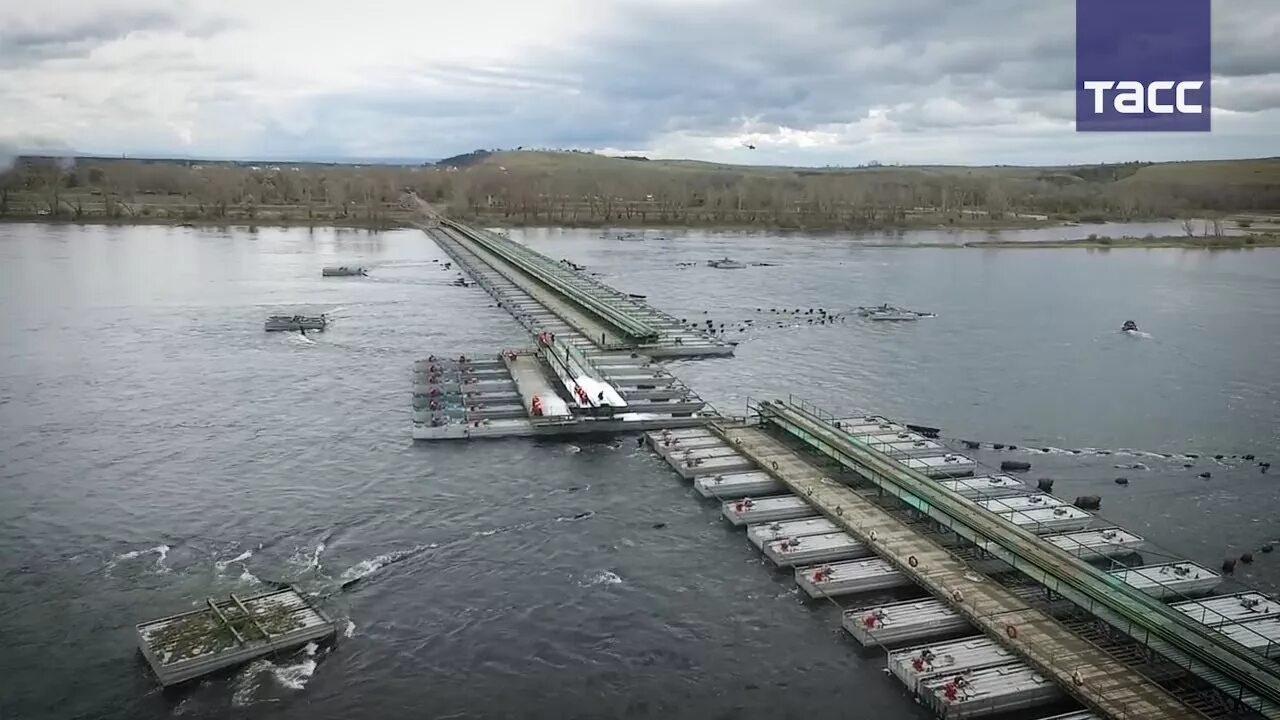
[{"x": 1142, "y": 65}]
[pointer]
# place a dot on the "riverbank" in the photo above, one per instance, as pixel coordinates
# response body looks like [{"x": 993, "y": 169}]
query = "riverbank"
[{"x": 1246, "y": 239}]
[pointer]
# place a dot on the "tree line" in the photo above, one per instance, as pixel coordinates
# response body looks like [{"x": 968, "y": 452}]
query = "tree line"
[{"x": 603, "y": 191}]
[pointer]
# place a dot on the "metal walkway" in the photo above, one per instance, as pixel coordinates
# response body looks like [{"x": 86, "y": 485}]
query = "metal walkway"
[{"x": 1238, "y": 672}]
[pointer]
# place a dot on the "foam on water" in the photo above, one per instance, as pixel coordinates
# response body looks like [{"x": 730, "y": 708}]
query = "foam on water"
[
  {"x": 160, "y": 551},
  {"x": 365, "y": 568},
  {"x": 601, "y": 577}
]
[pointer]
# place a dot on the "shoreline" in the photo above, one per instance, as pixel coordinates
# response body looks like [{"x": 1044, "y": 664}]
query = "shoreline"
[{"x": 1251, "y": 240}]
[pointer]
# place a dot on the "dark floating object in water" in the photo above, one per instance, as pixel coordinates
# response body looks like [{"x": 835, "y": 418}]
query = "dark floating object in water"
[
  {"x": 1187, "y": 465},
  {"x": 1102, "y": 452},
  {"x": 997, "y": 446},
  {"x": 971, "y": 444},
  {"x": 1013, "y": 447},
  {"x": 1228, "y": 566},
  {"x": 1193, "y": 456},
  {"x": 1088, "y": 502},
  {"x": 1045, "y": 484},
  {"x": 1267, "y": 547},
  {"x": 1122, "y": 481},
  {"x": 1246, "y": 558},
  {"x": 1264, "y": 466},
  {"x": 1015, "y": 466},
  {"x": 1217, "y": 457},
  {"x": 1129, "y": 326},
  {"x": 1075, "y": 452},
  {"x": 925, "y": 430},
  {"x": 1247, "y": 457},
  {"x": 1044, "y": 449},
  {"x": 659, "y": 525},
  {"x": 1205, "y": 475}
]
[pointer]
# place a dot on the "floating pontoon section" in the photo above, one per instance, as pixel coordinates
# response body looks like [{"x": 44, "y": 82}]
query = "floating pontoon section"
[
  {"x": 868, "y": 425},
  {"x": 903, "y": 622},
  {"x": 710, "y": 462},
  {"x": 1030, "y": 501},
  {"x": 847, "y": 578},
  {"x": 1100, "y": 543},
  {"x": 749, "y": 511},
  {"x": 941, "y": 466},
  {"x": 1000, "y": 689},
  {"x": 1050, "y": 520},
  {"x": 987, "y": 487},
  {"x": 1171, "y": 580},
  {"x": 828, "y": 547},
  {"x": 1260, "y": 635},
  {"x": 919, "y": 664},
  {"x": 768, "y": 532},
  {"x": 229, "y": 632},
  {"x": 737, "y": 485},
  {"x": 1240, "y": 607}
]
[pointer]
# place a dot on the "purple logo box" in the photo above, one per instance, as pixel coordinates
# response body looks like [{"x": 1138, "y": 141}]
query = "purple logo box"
[{"x": 1142, "y": 65}]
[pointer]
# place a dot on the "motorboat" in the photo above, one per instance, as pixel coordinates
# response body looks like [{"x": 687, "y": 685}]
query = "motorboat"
[
  {"x": 345, "y": 271},
  {"x": 891, "y": 313},
  {"x": 726, "y": 264},
  {"x": 1129, "y": 326},
  {"x": 296, "y": 323}
]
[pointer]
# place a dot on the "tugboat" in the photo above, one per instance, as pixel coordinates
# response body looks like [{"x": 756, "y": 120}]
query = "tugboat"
[
  {"x": 1129, "y": 326},
  {"x": 726, "y": 264},
  {"x": 295, "y": 323},
  {"x": 343, "y": 271}
]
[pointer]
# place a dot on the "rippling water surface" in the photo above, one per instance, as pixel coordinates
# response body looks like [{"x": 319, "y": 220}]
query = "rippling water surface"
[{"x": 158, "y": 447}]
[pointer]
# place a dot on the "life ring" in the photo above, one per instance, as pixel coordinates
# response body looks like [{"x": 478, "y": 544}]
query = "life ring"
[
  {"x": 1011, "y": 631},
  {"x": 1077, "y": 678},
  {"x": 774, "y": 463},
  {"x": 913, "y": 562}
]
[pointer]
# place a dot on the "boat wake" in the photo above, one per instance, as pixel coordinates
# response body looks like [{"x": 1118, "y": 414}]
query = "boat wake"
[{"x": 298, "y": 339}]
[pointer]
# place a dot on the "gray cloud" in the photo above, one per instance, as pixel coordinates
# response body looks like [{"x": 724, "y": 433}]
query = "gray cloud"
[
  {"x": 28, "y": 41},
  {"x": 972, "y": 79}
]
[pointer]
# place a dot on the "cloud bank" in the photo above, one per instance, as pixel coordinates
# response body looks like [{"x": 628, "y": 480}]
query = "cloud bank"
[{"x": 806, "y": 82}]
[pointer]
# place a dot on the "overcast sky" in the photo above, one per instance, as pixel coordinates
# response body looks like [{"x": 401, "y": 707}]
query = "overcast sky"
[{"x": 808, "y": 82}]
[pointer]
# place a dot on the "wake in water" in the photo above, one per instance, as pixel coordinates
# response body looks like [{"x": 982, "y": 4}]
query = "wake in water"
[
  {"x": 298, "y": 339},
  {"x": 160, "y": 551},
  {"x": 601, "y": 577},
  {"x": 293, "y": 676},
  {"x": 363, "y": 569}
]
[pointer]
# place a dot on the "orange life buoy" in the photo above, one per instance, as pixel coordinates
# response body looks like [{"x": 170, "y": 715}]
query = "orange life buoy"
[{"x": 1011, "y": 631}]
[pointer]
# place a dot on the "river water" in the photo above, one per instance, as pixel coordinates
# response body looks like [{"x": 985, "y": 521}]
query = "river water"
[{"x": 158, "y": 447}]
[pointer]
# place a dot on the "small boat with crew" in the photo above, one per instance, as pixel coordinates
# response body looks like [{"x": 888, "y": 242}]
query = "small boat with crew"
[
  {"x": 726, "y": 263},
  {"x": 891, "y": 313},
  {"x": 343, "y": 271},
  {"x": 296, "y": 323},
  {"x": 630, "y": 237},
  {"x": 1129, "y": 326}
]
